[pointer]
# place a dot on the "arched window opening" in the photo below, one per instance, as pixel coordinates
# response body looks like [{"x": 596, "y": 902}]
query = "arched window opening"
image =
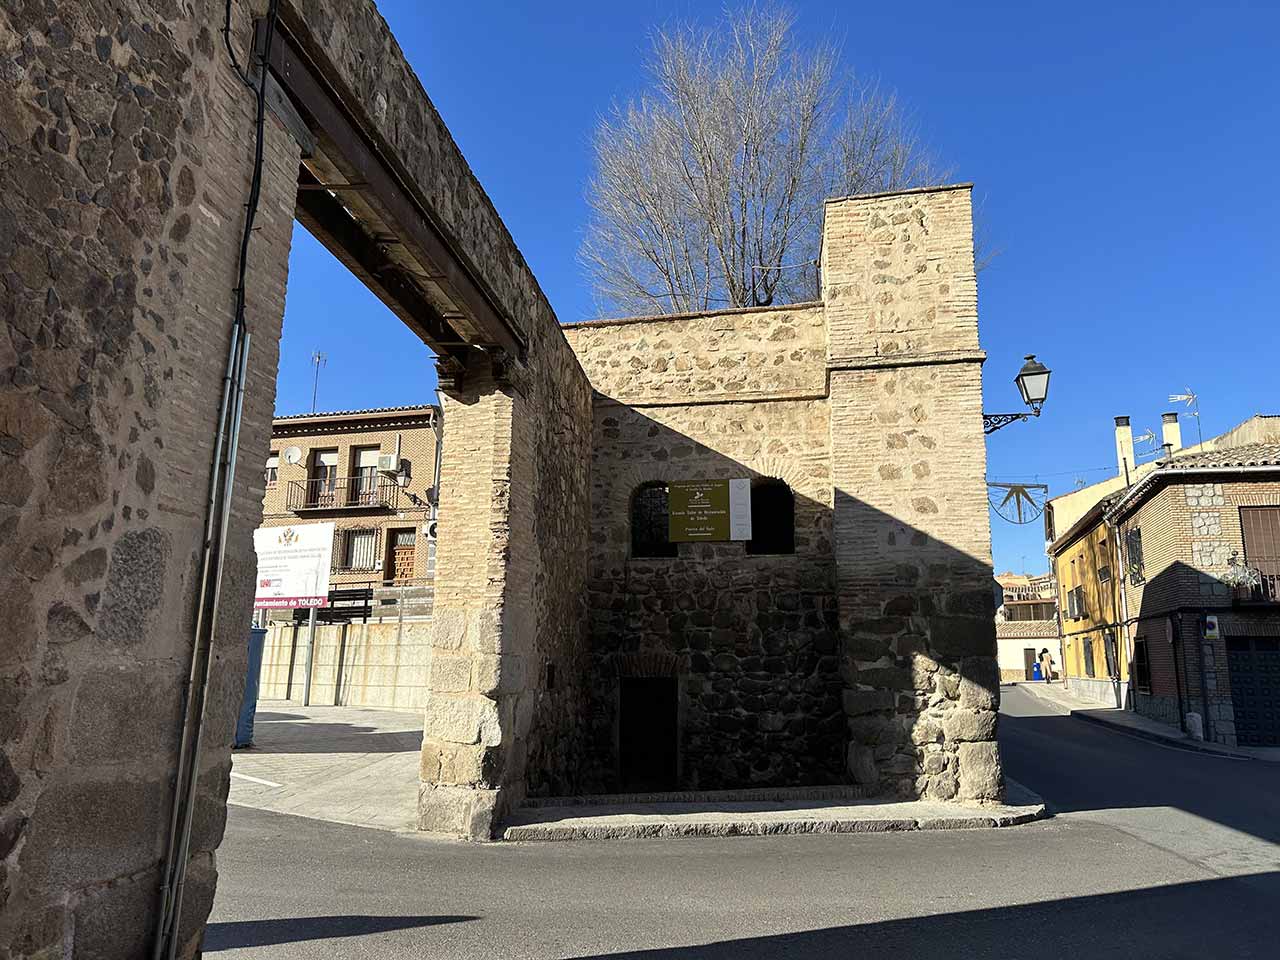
[
  {"x": 773, "y": 518},
  {"x": 650, "y": 533}
]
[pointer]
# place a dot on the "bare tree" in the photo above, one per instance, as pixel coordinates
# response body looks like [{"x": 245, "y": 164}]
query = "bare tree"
[{"x": 708, "y": 188}]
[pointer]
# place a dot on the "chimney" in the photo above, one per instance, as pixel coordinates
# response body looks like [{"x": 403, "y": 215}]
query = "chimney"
[
  {"x": 1124, "y": 447},
  {"x": 1171, "y": 431}
]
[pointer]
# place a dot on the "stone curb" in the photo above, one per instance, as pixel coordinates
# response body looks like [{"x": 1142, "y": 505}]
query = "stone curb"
[
  {"x": 759, "y": 827},
  {"x": 1176, "y": 740}
]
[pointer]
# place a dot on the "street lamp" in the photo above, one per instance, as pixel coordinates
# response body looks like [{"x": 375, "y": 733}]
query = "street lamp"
[{"x": 1033, "y": 384}]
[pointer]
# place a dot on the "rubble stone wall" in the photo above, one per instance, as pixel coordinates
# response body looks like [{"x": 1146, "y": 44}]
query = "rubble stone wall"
[
  {"x": 751, "y": 638},
  {"x": 125, "y": 161}
]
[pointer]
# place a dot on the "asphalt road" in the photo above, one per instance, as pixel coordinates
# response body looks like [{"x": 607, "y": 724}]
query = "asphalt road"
[{"x": 1153, "y": 853}]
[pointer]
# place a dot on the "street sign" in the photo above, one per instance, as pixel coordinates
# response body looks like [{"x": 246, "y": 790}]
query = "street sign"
[
  {"x": 709, "y": 510},
  {"x": 1211, "y": 631},
  {"x": 293, "y": 566}
]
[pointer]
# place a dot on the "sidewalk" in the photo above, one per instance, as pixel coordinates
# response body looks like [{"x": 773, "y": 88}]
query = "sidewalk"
[
  {"x": 345, "y": 764},
  {"x": 1136, "y": 725},
  {"x": 820, "y": 810}
]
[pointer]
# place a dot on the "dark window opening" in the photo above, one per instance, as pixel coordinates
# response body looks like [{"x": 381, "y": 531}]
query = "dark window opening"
[
  {"x": 1141, "y": 666},
  {"x": 1087, "y": 653},
  {"x": 647, "y": 733},
  {"x": 650, "y": 522},
  {"x": 1109, "y": 651},
  {"x": 1260, "y": 528},
  {"x": 1133, "y": 547},
  {"x": 773, "y": 518}
]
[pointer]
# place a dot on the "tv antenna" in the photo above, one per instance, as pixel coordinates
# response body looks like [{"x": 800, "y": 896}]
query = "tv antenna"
[
  {"x": 319, "y": 360},
  {"x": 1147, "y": 436},
  {"x": 1193, "y": 408}
]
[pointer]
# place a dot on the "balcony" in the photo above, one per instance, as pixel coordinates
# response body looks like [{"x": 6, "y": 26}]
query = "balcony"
[{"x": 343, "y": 493}]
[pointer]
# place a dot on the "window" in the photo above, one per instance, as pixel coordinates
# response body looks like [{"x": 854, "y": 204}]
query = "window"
[
  {"x": 650, "y": 522},
  {"x": 1087, "y": 653},
  {"x": 1104, "y": 574},
  {"x": 1141, "y": 666},
  {"x": 1261, "y": 529},
  {"x": 1133, "y": 547},
  {"x": 1075, "y": 603},
  {"x": 272, "y": 473},
  {"x": 773, "y": 518},
  {"x": 364, "y": 476},
  {"x": 322, "y": 479},
  {"x": 1109, "y": 651},
  {"x": 356, "y": 549}
]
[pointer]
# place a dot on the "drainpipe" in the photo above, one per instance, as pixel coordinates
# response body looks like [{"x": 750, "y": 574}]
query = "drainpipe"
[
  {"x": 1123, "y": 613},
  {"x": 1205, "y": 721},
  {"x": 435, "y": 480},
  {"x": 1175, "y": 621}
]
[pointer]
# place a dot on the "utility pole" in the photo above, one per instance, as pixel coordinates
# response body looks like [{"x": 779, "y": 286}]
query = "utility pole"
[{"x": 318, "y": 359}]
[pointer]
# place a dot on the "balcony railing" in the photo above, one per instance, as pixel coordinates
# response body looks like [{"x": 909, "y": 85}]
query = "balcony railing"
[
  {"x": 1268, "y": 590},
  {"x": 344, "y": 493}
]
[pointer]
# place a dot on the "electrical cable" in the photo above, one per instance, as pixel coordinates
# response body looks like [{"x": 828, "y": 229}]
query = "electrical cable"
[{"x": 217, "y": 524}]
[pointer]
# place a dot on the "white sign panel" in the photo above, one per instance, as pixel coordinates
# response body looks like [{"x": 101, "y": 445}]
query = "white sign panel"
[
  {"x": 293, "y": 566},
  {"x": 740, "y": 509}
]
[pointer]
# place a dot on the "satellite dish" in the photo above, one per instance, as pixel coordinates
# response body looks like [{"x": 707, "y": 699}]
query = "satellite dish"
[{"x": 292, "y": 455}]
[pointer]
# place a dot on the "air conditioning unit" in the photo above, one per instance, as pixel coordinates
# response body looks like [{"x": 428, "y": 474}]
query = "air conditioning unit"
[{"x": 389, "y": 464}]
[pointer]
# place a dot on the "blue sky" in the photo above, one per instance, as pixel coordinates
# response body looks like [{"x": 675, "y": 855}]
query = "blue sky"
[{"x": 1123, "y": 157}]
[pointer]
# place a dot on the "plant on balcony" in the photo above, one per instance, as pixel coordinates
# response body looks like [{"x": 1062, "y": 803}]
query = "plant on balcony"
[{"x": 1245, "y": 580}]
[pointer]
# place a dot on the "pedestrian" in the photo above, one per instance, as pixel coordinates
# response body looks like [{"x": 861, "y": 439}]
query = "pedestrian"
[{"x": 1046, "y": 665}]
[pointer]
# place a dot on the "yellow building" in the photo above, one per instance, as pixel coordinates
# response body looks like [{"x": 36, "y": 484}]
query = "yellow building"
[{"x": 1094, "y": 665}]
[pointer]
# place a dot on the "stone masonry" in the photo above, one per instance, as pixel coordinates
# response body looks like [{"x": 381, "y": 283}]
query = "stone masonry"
[
  {"x": 869, "y": 654},
  {"x": 127, "y": 141}
]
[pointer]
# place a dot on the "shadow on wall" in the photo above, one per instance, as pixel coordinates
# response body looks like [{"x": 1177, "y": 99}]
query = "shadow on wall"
[
  {"x": 791, "y": 669},
  {"x": 1185, "y": 669},
  {"x": 1210, "y": 918}
]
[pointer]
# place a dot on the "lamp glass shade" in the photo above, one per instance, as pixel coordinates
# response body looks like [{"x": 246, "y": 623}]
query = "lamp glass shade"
[{"x": 1033, "y": 381}]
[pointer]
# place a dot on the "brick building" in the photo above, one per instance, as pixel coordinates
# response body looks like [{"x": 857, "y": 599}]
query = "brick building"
[
  {"x": 369, "y": 472},
  {"x": 1142, "y": 566},
  {"x": 1200, "y": 537},
  {"x": 1026, "y": 623}
]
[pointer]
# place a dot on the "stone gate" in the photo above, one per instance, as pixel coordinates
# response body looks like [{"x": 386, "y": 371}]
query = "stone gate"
[{"x": 127, "y": 140}]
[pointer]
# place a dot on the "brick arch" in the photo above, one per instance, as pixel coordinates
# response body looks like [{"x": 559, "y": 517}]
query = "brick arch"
[{"x": 649, "y": 663}]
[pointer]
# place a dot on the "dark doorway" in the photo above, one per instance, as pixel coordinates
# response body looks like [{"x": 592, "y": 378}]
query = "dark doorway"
[
  {"x": 647, "y": 733},
  {"x": 1254, "y": 664}
]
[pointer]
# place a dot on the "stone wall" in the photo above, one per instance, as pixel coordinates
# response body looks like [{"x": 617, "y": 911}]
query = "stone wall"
[
  {"x": 912, "y": 538},
  {"x": 125, "y": 159},
  {"x": 508, "y": 663},
  {"x": 751, "y": 638}
]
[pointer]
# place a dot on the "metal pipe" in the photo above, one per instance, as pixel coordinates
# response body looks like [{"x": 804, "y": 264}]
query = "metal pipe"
[
  {"x": 435, "y": 480},
  {"x": 311, "y": 649},
  {"x": 206, "y": 649},
  {"x": 211, "y": 514}
]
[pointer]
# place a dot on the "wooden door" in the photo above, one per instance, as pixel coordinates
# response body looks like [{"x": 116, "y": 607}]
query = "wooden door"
[
  {"x": 402, "y": 551},
  {"x": 1029, "y": 660}
]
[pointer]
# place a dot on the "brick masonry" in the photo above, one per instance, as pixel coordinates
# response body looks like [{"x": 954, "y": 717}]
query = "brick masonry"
[
  {"x": 417, "y": 440},
  {"x": 1189, "y": 533}
]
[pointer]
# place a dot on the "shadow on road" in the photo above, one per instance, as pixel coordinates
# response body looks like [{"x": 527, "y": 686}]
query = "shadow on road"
[
  {"x": 1079, "y": 766},
  {"x": 266, "y": 933},
  {"x": 1213, "y": 918}
]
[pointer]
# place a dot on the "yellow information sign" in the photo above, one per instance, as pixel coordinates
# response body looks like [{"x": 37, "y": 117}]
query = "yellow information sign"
[{"x": 709, "y": 510}]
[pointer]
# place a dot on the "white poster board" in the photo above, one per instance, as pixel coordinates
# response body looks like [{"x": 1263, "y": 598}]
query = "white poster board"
[
  {"x": 740, "y": 509},
  {"x": 293, "y": 566}
]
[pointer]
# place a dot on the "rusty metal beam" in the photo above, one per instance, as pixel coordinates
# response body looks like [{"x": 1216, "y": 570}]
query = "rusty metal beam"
[
  {"x": 328, "y": 221},
  {"x": 359, "y": 162}
]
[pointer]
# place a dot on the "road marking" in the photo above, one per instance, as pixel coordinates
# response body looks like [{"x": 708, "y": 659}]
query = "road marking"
[{"x": 265, "y": 783}]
